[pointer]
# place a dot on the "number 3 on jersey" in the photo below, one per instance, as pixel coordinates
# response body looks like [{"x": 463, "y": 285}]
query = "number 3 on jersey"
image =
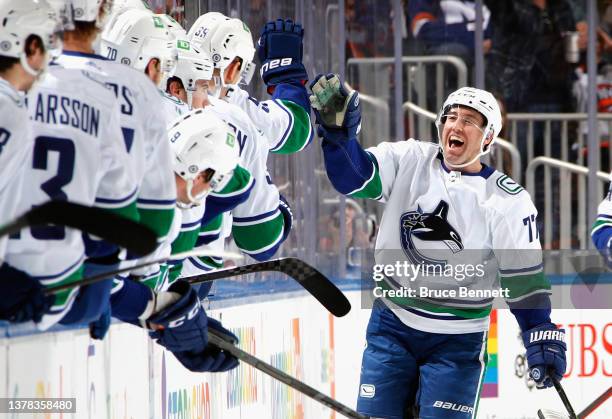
[
  {"x": 532, "y": 228},
  {"x": 43, "y": 147}
]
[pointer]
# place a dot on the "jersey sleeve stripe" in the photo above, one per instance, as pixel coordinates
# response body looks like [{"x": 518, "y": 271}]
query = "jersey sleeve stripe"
[
  {"x": 246, "y": 187},
  {"x": 190, "y": 226},
  {"x": 54, "y": 278},
  {"x": 285, "y": 135},
  {"x": 198, "y": 264},
  {"x": 241, "y": 220},
  {"x": 156, "y": 203},
  {"x": 300, "y": 133},
  {"x": 511, "y": 272},
  {"x": 115, "y": 202}
]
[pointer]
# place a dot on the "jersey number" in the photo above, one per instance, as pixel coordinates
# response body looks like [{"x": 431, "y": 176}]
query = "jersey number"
[
  {"x": 530, "y": 223},
  {"x": 5, "y": 135},
  {"x": 43, "y": 147}
]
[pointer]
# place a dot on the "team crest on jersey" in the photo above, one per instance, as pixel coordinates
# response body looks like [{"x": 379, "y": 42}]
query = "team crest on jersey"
[{"x": 428, "y": 226}]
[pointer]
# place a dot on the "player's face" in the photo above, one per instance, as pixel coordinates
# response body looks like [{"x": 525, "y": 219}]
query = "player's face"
[
  {"x": 177, "y": 90},
  {"x": 461, "y": 135},
  {"x": 200, "y": 185}
]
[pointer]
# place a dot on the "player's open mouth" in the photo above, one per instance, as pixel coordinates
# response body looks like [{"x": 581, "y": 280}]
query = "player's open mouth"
[{"x": 454, "y": 142}]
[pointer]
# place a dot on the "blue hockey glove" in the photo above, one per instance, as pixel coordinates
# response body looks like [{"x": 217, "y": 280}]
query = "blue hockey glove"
[
  {"x": 545, "y": 345},
  {"x": 211, "y": 358},
  {"x": 337, "y": 110},
  {"x": 23, "y": 298},
  {"x": 285, "y": 209},
  {"x": 182, "y": 325},
  {"x": 280, "y": 51}
]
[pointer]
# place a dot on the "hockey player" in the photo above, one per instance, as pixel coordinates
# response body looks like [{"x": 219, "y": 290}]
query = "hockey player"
[
  {"x": 425, "y": 350},
  {"x": 601, "y": 232},
  {"x": 79, "y": 155},
  {"x": 284, "y": 120},
  {"x": 205, "y": 154},
  {"x": 144, "y": 132},
  {"x": 30, "y": 30},
  {"x": 257, "y": 226}
]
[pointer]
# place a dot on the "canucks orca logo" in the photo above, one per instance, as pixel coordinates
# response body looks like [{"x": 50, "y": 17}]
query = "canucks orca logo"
[{"x": 432, "y": 226}]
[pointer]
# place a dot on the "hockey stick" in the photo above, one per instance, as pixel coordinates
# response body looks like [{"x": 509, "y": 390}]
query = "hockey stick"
[
  {"x": 109, "y": 274},
  {"x": 596, "y": 403},
  {"x": 96, "y": 221},
  {"x": 563, "y": 396},
  {"x": 308, "y": 277},
  {"x": 217, "y": 339},
  {"x": 549, "y": 414}
]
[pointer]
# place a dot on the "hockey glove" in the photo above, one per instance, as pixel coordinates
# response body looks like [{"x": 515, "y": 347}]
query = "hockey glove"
[
  {"x": 23, "y": 298},
  {"x": 211, "y": 358},
  {"x": 181, "y": 325},
  {"x": 337, "y": 110},
  {"x": 280, "y": 51},
  {"x": 285, "y": 209},
  {"x": 545, "y": 345}
]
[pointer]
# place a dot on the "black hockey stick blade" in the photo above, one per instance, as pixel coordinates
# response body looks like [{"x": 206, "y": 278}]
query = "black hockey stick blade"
[
  {"x": 563, "y": 396},
  {"x": 217, "y": 339},
  {"x": 99, "y": 222},
  {"x": 313, "y": 281}
]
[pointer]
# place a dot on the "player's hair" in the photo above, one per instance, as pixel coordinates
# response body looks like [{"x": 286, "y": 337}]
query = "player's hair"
[
  {"x": 87, "y": 30},
  {"x": 172, "y": 80},
  {"x": 32, "y": 43}
]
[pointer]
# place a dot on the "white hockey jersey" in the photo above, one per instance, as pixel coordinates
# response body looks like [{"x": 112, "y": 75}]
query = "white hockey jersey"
[
  {"x": 284, "y": 124},
  {"x": 15, "y": 154},
  {"x": 79, "y": 155},
  {"x": 257, "y": 223},
  {"x": 435, "y": 217},
  {"x": 143, "y": 124}
]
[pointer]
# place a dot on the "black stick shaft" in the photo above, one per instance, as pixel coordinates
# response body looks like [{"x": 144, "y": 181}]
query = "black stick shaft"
[
  {"x": 563, "y": 397},
  {"x": 273, "y": 372}
]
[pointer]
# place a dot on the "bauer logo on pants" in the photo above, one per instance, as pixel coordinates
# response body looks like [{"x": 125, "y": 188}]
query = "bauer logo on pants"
[{"x": 367, "y": 391}]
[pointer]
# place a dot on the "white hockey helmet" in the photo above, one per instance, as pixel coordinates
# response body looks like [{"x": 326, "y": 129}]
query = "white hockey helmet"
[
  {"x": 135, "y": 37},
  {"x": 192, "y": 65},
  {"x": 225, "y": 39},
  {"x": 21, "y": 18},
  {"x": 202, "y": 29},
  {"x": 484, "y": 103},
  {"x": 200, "y": 140},
  {"x": 175, "y": 28}
]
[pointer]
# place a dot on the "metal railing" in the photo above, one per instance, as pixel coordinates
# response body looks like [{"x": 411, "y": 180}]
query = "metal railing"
[
  {"x": 571, "y": 203},
  {"x": 572, "y": 130},
  {"x": 500, "y": 147},
  {"x": 372, "y": 75}
]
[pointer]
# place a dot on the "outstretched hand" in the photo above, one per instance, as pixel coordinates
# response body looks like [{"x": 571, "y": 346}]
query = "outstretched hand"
[{"x": 336, "y": 108}]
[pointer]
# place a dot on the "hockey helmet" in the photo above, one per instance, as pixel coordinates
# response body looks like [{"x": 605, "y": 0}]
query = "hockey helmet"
[
  {"x": 484, "y": 103},
  {"x": 200, "y": 140},
  {"x": 21, "y": 18},
  {"x": 175, "y": 28},
  {"x": 135, "y": 37},
  {"x": 225, "y": 39},
  {"x": 192, "y": 64}
]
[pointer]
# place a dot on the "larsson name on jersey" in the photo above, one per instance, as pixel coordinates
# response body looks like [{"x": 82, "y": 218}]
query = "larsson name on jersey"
[{"x": 63, "y": 110}]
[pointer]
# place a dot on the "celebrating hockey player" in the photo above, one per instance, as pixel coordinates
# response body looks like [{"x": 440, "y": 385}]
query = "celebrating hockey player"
[
  {"x": 426, "y": 351},
  {"x": 28, "y": 32}
]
